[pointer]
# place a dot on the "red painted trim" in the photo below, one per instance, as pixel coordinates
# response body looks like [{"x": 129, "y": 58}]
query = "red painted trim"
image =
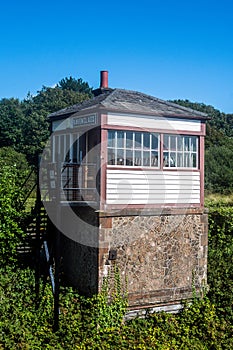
[
  {"x": 161, "y": 152},
  {"x": 134, "y": 168},
  {"x": 103, "y": 120},
  {"x": 159, "y": 131},
  {"x": 203, "y": 128},
  {"x": 202, "y": 162},
  {"x": 103, "y": 165},
  {"x": 148, "y": 206}
]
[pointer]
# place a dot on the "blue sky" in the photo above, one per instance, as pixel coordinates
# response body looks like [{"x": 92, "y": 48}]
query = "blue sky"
[{"x": 169, "y": 49}]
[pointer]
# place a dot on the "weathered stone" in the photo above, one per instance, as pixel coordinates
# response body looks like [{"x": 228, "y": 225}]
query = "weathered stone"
[{"x": 161, "y": 256}]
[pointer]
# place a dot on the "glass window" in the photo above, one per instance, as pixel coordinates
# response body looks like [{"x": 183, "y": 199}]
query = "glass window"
[
  {"x": 180, "y": 151},
  {"x": 129, "y": 139},
  {"x": 120, "y": 139},
  {"x": 133, "y": 148},
  {"x": 138, "y": 140},
  {"x": 111, "y": 139}
]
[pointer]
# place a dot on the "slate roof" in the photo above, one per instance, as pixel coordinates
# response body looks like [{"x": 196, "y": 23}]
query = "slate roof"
[{"x": 126, "y": 101}]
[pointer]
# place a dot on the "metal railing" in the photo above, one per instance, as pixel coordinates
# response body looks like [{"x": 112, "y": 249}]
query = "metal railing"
[{"x": 78, "y": 182}]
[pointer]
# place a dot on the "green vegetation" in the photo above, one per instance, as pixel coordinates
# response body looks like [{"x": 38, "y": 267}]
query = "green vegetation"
[
  {"x": 220, "y": 259},
  {"x": 219, "y": 148},
  {"x": 97, "y": 323},
  {"x": 24, "y": 125},
  {"x": 11, "y": 213}
]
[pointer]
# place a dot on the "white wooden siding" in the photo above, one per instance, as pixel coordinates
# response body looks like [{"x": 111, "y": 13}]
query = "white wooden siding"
[
  {"x": 159, "y": 123},
  {"x": 152, "y": 187}
]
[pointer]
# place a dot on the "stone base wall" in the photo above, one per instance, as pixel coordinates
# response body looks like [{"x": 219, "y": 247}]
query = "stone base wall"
[
  {"x": 79, "y": 248},
  {"x": 162, "y": 255}
]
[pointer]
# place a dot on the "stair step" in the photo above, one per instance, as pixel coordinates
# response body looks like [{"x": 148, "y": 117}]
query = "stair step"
[{"x": 29, "y": 243}]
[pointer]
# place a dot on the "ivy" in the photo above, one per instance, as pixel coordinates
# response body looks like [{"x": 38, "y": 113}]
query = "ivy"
[{"x": 11, "y": 213}]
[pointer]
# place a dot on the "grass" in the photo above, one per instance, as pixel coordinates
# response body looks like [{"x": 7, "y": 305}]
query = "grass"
[{"x": 217, "y": 197}]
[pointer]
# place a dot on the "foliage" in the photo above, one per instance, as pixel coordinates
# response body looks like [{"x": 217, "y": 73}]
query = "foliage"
[
  {"x": 220, "y": 121},
  {"x": 97, "y": 322},
  {"x": 218, "y": 168},
  {"x": 106, "y": 309},
  {"x": 220, "y": 259},
  {"x": 11, "y": 212},
  {"x": 11, "y": 117},
  {"x": 219, "y": 148},
  {"x": 23, "y": 325},
  {"x": 77, "y": 85},
  {"x": 9, "y": 156},
  {"x": 24, "y": 124}
]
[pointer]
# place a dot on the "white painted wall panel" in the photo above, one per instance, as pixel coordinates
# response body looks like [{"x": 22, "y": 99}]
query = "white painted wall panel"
[
  {"x": 159, "y": 123},
  {"x": 152, "y": 187}
]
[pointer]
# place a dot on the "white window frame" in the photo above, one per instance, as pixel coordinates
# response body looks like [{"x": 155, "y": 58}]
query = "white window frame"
[
  {"x": 137, "y": 150},
  {"x": 181, "y": 154}
]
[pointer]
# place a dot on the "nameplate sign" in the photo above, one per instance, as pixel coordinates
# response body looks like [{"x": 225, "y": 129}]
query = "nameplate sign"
[{"x": 82, "y": 121}]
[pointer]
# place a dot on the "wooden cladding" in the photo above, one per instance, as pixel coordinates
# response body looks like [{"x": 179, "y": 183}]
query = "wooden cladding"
[{"x": 152, "y": 187}]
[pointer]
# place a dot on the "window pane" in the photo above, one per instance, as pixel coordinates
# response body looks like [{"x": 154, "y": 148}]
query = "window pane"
[
  {"x": 186, "y": 159},
  {"x": 146, "y": 158},
  {"x": 169, "y": 160},
  {"x": 129, "y": 139},
  {"x": 180, "y": 143},
  {"x": 120, "y": 157},
  {"x": 165, "y": 159},
  {"x": 75, "y": 151},
  {"x": 154, "y": 159},
  {"x": 172, "y": 159},
  {"x": 166, "y": 142},
  {"x": 67, "y": 158},
  {"x": 56, "y": 147},
  {"x": 111, "y": 156},
  {"x": 146, "y": 140},
  {"x": 75, "y": 148},
  {"x": 138, "y": 158},
  {"x": 180, "y": 162},
  {"x": 129, "y": 157},
  {"x": 155, "y": 141},
  {"x": 111, "y": 139},
  {"x": 62, "y": 149},
  {"x": 186, "y": 143},
  {"x": 120, "y": 139},
  {"x": 193, "y": 160},
  {"x": 138, "y": 140},
  {"x": 173, "y": 143},
  {"x": 193, "y": 141}
]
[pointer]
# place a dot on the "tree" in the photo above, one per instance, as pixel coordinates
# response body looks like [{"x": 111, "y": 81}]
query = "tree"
[
  {"x": 218, "y": 147},
  {"x": 11, "y": 117},
  {"x": 221, "y": 122},
  {"x": 77, "y": 85},
  {"x": 35, "y": 124},
  {"x": 218, "y": 168}
]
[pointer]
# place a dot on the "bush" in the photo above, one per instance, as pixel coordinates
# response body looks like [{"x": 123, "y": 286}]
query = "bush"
[
  {"x": 11, "y": 213},
  {"x": 97, "y": 322},
  {"x": 220, "y": 257}
]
